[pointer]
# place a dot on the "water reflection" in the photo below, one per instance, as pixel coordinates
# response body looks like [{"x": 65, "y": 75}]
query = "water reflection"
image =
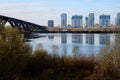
[
  {"x": 117, "y": 37},
  {"x": 63, "y": 38},
  {"x": 77, "y": 38},
  {"x": 104, "y": 39},
  {"x": 64, "y": 49},
  {"x": 85, "y": 43},
  {"x": 50, "y": 36},
  {"x": 76, "y": 51},
  {"x": 90, "y": 39}
]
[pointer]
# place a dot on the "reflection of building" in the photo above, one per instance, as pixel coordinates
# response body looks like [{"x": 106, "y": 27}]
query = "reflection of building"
[
  {"x": 76, "y": 50},
  {"x": 50, "y": 23},
  {"x": 64, "y": 20},
  {"x": 63, "y": 38},
  {"x": 96, "y": 40},
  {"x": 77, "y": 21},
  {"x": 104, "y": 39},
  {"x": 76, "y": 44},
  {"x": 50, "y": 36},
  {"x": 104, "y": 20},
  {"x": 77, "y": 38},
  {"x": 117, "y": 38},
  {"x": 89, "y": 38},
  {"x": 64, "y": 49}
]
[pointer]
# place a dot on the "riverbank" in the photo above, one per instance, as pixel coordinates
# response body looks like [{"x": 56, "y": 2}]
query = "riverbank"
[{"x": 68, "y": 31}]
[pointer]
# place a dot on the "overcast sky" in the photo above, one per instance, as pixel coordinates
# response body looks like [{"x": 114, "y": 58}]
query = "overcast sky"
[{"x": 40, "y": 11}]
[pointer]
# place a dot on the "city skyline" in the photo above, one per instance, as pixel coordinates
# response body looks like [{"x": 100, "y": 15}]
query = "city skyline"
[{"x": 40, "y": 12}]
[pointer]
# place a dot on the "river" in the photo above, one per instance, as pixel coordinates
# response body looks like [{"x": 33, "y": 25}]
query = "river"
[{"x": 68, "y": 44}]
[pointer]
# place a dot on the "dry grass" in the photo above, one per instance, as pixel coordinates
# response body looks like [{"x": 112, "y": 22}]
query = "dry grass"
[{"x": 42, "y": 66}]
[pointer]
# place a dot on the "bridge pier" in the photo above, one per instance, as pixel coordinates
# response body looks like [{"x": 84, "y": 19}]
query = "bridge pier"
[
  {"x": 28, "y": 36},
  {"x": 25, "y": 37}
]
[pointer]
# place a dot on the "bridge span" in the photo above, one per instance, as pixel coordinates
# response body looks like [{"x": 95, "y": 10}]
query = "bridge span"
[{"x": 22, "y": 25}]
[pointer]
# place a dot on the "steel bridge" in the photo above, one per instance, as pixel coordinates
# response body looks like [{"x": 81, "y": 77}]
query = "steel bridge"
[{"x": 22, "y": 25}]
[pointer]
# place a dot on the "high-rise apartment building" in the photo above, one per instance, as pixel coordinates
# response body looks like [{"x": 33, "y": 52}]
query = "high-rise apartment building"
[
  {"x": 104, "y": 20},
  {"x": 91, "y": 20},
  {"x": 64, "y": 20},
  {"x": 77, "y": 21},
  {"x": 50, "y": 23},
  {"x": 86, "y": 21},
  {"x": 118, "y": 19}
]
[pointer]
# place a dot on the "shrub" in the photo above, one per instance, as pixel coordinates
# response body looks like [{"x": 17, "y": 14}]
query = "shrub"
[
  {"x": 13, "y": 54},
  {"x": 109, "y": 65}
]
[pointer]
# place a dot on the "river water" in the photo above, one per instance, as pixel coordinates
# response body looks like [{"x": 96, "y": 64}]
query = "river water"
[{"x": 68, "y": 44}]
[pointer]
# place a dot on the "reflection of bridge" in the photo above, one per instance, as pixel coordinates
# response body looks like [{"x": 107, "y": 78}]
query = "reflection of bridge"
[{"x": 23, "y": 26}]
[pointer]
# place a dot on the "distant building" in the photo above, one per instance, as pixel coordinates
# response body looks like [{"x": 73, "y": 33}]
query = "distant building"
[
  {"x": 64, "y": 20},
  {"x": 91, "y": 20},
  {"x": 86, "y": 21},
  {"x": 104, "y": 20},
  {"x": 118, "y": 19},
  {"x": 50, "y": 23},
  {"x": 77, "y": 21}
]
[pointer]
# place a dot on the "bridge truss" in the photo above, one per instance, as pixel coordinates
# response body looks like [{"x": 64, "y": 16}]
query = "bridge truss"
[{"x": 22, "y": 25}]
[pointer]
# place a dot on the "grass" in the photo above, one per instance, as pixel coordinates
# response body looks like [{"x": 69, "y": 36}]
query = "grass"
[
  {"x": 17, "y": 62},
  {"x": 47, "y": 67}
]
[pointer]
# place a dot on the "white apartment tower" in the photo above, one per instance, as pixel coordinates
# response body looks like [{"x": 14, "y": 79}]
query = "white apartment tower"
[
  {"x": 77, "y": 21},
  {"x": 64, "y": 20},
  {"x": 104, "y": 20}
]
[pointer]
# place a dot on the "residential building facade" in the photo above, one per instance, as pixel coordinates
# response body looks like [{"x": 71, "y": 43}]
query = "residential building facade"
[
  {"x": 104, "y": 20},
  {"x": 118, "y": 19},
  {"x": 77, "y": 21},
  {"x": 86, "y": 21},
  {"x": 64, "y": 20},
  {"x": 50, "y": 23},
  {"x": 91, "y": 20}
]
